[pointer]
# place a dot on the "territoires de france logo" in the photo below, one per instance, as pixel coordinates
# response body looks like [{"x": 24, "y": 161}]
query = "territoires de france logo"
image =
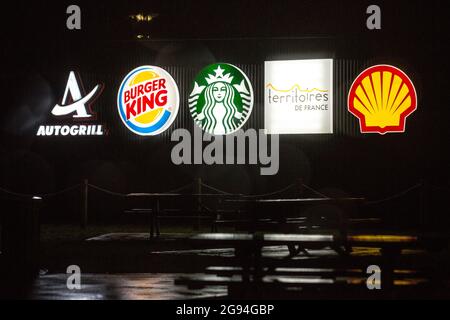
[
  {"x": 148, "y": 100},
  {"x": 382, "y": 97},
  {"x": 221, "y": 99}
]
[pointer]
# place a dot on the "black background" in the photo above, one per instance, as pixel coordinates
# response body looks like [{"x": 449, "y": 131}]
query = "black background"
[{"x": 38, "y": 52}]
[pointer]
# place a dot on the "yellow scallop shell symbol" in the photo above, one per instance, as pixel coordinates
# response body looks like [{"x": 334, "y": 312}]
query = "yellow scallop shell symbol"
[{"x": 381, "y": 98}]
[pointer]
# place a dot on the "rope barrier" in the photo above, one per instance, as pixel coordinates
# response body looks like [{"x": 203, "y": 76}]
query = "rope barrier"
[
  {"x": 314, "y": 191},
  {"x": 179, "y": 188},
  {"x": 61, "y": 191},
  {"x": 440, "y": 187},
  {"x": 395, "y": 196},
  {"x": 216, "y": 189},
  {"x": 106, "y": 191},
  {"x": 123, "y": 195},
  {"x": 250, "y": 195},
  {"x": 16, "y": 194},
  {"x": 43, "y": 195},
  {"x": 271, "y": 193}
]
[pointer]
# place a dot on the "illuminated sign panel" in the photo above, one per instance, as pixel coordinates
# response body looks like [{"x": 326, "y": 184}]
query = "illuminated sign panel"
[
  {"x": 298, "y": 96},
  {"x": 148, "y": 100},
  {"x": 221, "y": 99},
  {"x": 381, "y": 98},
  {"x": 74, "y": 105}
]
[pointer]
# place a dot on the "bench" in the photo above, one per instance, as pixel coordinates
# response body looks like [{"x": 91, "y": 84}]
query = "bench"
[
  {"x": 250, "y": 267},
  {"x": 289, "y": 286},
  {"x": 198, "y": 282},
  {"x": 276, "y": 216},
  {"x": 152, "y": 217},
  {"x": 167, "y": 206}
]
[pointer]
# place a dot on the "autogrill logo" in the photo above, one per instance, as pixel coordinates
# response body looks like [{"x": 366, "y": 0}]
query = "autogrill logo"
[
  {"x": 77, "y": 105},
  {"x": 73, "y": 130}
]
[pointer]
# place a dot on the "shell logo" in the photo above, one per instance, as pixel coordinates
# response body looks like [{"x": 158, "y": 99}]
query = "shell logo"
[
  {"x": 148, "y": 100},
  {"x": 381, "y": 97}
]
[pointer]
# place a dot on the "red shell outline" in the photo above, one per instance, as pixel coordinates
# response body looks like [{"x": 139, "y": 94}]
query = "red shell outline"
[{"x": 376, "y": 129}]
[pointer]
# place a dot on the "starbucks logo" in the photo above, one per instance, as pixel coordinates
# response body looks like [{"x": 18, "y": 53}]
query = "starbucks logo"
[{"x": 221, "y": 100}]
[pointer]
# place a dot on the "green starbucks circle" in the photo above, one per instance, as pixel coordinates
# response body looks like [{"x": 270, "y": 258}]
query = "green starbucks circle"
[{"x": 221, "y": 99}]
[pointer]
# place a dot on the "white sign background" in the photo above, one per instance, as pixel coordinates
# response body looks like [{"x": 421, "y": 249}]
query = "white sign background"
[{"x": 282, "y": 117}]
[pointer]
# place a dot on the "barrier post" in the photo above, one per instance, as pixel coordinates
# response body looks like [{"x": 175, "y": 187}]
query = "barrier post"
[
  {"x": 84, "y": 203},
  {"x": 199, "y": 203},
  {"x": 300, "y": 186},
  {"x": 20, "y": 243},
  {"x": 34, "y": 233},
  {"x": 423, "y": 195}
]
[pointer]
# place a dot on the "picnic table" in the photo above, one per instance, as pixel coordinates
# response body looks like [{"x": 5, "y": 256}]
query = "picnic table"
[
  {"x": 251, "y": 267},
  {"x": 150, "y": 204},
  {"x": 248, "y": 247},
  {"x": 280, "y": 210}
]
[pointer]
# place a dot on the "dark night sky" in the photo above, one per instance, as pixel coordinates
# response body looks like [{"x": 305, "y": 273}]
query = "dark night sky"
[{"x": 36, "y": 45}]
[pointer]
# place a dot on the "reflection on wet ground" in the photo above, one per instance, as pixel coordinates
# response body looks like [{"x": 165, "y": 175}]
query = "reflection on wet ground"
[
  {"x": 137, "y": 286},
  {"x": 282, "y": 252},
  {"x": 160, "y": 286},
  {"x": 132, "y": 266}
]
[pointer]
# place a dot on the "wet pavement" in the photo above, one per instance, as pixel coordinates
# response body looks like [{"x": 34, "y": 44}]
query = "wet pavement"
[
  {"x": 161, "y": 286},
  {"x": 130, "y": 266},
  {"x": 139, "y": 286}
]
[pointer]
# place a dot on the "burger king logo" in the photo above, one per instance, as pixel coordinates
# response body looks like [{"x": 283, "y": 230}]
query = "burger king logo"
[
  {"x": 148, "y": 100},
  {"x": 382, "y": 97}
]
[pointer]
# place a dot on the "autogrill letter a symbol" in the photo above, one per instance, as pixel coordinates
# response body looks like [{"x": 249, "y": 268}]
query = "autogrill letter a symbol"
[{"x": 78, "y": 106}]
